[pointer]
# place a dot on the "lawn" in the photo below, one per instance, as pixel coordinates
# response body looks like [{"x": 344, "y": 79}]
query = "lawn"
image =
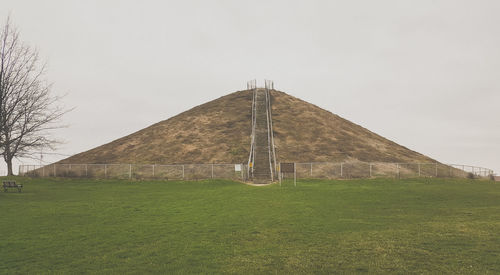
[{"x": 348, "y": 226}]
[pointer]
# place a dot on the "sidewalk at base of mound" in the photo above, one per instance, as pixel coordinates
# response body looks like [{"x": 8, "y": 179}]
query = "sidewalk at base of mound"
[{"x": 258, "y": 184}]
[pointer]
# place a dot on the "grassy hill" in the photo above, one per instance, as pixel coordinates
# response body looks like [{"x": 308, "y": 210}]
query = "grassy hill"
[
  {"x": 306, "y": 133},
  {"x": 219, "y": 132}
]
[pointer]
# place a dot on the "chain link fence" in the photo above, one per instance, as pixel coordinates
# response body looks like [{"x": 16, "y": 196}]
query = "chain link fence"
[
  {"x": 352, "y": 170},
  {"x": 138, "y": 171},
  {"x": 307, "y": 170}
]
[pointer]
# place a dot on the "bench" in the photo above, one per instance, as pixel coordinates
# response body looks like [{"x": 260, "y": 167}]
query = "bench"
[{"x": 12, "y": 184}]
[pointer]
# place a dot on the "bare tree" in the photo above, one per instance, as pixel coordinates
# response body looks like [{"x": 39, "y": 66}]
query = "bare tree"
[{"x": 27, "y": 109}]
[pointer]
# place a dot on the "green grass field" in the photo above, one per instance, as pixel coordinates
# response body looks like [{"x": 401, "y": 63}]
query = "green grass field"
[{"x": 354, "y": 226}]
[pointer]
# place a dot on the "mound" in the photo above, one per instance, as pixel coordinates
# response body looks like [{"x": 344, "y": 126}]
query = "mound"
[{"x": 219, "y": 132}]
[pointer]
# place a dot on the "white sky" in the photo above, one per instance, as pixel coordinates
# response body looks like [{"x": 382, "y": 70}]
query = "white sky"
[{"x": 425, "y": 74}]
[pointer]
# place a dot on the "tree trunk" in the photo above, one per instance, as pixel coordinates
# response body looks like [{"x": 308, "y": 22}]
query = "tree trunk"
[{"x": 9, "y": 167}]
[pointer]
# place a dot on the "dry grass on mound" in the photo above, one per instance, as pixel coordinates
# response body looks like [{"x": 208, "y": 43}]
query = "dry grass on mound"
[{"x": 219, "y": 132}]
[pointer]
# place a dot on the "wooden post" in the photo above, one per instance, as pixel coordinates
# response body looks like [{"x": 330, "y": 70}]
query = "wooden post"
[
  {"x": 370, "y": 170},
  {"x": 130, "y": 171},
  {"x": 183, "y": 171},
  {"x": 105, "y": 170},
  {"x": 55, "y": 175},
  {"x": 436, "y": 169},
  {"x": 341, "y": 169},
  {"x": 86, "y": 170},
  {"x": 212, "y": 170},
  {"x": 311, "y": 169},
  {"x": 397, "y": 171},
  {"x": 419, "y": 170}
]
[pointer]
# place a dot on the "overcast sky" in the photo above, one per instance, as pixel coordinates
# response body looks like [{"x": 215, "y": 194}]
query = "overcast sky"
[{"x": 425, "y": 74}]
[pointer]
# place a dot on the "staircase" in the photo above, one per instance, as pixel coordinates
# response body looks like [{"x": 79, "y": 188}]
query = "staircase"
[{"x": 262, "y": 157}]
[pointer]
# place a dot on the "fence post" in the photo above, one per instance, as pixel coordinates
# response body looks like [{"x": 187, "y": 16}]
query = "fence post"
[
  {"x": 105, "y": 170},
  {"x": 86, "y": 170},
  {"x": 183, "y": 171},
  {"x": 280, "y": 173},
  {"x": 154, "y": 170},
  {"x": 43, "y": 171},
  {"x": 295, "y": 174},
  {"x": 341, "y": 169},
  {"x": 370, "y": 169},
  {"x": 311, "y": 169},
  {"x": 241, "y": 166},
  {"x": 55, "y": 174},
  {"x": 436, "y": 169},
  {"x": 130, "y": 171},
  {"x": 397, "y": 171},
  {"x": 212, "y": 170},
  {"x": 419, "y": 170}
]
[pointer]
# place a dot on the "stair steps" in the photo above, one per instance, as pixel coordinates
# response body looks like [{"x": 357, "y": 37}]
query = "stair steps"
[{"x": 262, "y": 154}]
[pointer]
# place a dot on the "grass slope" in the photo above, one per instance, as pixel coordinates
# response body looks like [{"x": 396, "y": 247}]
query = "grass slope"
[
  {"x": 356, "y": 226},
  {"x": 219, "y": 132},
  {"x": 306, "y": 133},
  {"x": 215, "y": 132}
]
